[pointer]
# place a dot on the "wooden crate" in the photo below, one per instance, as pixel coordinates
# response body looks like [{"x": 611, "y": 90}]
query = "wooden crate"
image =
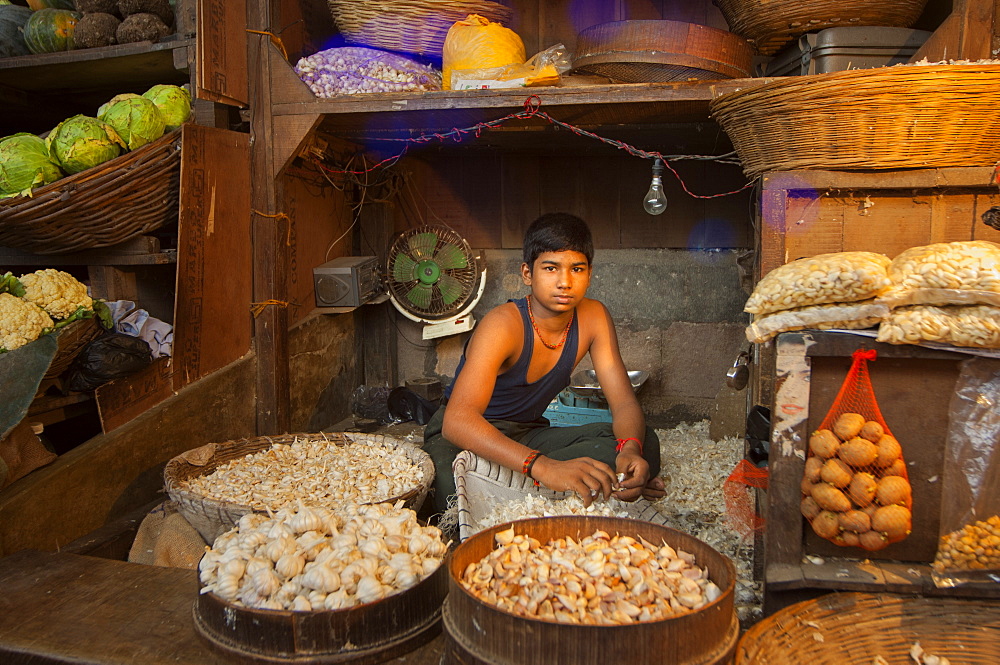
[{"x": 912, "y": 385}]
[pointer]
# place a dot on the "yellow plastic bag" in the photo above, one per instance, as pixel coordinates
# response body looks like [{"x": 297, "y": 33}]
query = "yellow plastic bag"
[
  {"x": 477, "y": 43},
  {"x": 543, "y": 68}
]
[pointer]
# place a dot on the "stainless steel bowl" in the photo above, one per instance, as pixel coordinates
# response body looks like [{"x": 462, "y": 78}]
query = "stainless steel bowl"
[{"x": 585, "y": 384}]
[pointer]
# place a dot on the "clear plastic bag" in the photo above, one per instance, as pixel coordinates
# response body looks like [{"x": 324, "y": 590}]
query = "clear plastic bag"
[
  {"x": 969, "y": 547},
  {"x": 544, "y": 68},
  {"x": 824, "y": 278},
  {"x": 845, "y": 316},
  {"x": 352, "y": 70},
  {"x": 974, "y": 326}
]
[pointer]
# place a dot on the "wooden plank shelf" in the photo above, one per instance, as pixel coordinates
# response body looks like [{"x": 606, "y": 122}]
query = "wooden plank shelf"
[{"x": 140, "y": 251}]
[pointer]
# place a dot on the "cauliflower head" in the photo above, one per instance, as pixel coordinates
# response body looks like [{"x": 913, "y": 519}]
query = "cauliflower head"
[
  {"x": 57, "y": 292},
  {"x": 20, "y": 322}
]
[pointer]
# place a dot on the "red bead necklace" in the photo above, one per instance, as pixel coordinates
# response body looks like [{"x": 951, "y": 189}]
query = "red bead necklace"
[{"x": 562, "y": 341}]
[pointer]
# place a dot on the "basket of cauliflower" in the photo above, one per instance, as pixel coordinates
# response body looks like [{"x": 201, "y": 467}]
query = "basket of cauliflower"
[{"x": 44, "y": 302}]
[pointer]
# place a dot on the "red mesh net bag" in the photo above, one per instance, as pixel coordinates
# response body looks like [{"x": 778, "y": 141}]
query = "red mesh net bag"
[
  {"x": 740, "y": 511},
  {"x": 855, "y": 489}
]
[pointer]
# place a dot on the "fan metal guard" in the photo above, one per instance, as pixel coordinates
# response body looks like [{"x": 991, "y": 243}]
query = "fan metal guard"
[{"x": 431, "y": 273}]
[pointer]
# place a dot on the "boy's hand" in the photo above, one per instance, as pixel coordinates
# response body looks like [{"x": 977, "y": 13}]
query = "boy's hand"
[
  {"x": 585, "y": 476},
  {"x": 636, "y": 474}
]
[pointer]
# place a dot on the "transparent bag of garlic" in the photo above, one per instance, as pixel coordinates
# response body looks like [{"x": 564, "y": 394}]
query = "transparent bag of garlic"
[
  {"x": 855, "y": 487},
  {"x": 968, "y": 550},
  {"x": 946, "y": 273},
  {"x": 352, "y": 70},
  {"x": 844, "y": 316},
  {"x": 973, "y": 326},
  {"x": 816, "y": 280}
]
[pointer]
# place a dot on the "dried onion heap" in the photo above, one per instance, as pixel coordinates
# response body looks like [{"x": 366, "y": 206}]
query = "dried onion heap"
[
  {"x": 317, "y": 471},
  {"x": 601, "y": 580},
  {"x": 315, "y": 559}
]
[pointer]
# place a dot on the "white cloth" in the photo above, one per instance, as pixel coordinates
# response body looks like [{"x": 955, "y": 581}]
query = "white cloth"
[{"x": 128, "y": 320}]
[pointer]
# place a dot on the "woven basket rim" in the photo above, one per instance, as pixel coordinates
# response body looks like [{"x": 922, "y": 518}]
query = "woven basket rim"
[
  {"x": 70, "y": 340},
  {"x": 178, "y": 469}
]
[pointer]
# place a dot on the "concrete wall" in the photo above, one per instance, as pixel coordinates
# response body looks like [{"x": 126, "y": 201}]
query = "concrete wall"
[{"x": 678, "y": 314}]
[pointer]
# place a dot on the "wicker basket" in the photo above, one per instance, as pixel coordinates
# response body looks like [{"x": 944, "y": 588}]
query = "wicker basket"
[
  {"x": 408, "y": 26},
  {"x": 102, "y": 206},
  {"x": 906, "y": 116},
  {"x": 854, "y": 628},
  {"x": 480, "y": 484},
  {"x": 770, "y": 24},
  {"x": 70, "y": 340},
  {"x": 212, "y": 518}
]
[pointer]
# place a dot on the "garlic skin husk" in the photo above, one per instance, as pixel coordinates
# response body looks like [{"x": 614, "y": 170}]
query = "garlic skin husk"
[{"x": 314, "y": 559}]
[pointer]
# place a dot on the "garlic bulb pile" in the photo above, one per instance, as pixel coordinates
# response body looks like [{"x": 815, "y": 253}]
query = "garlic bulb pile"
[
  {"x": 533, "y": 505},
  {"x": 315, "y": 559},
  {"x": 318, "y": 471},
  {"x": 601, "y": 580}
]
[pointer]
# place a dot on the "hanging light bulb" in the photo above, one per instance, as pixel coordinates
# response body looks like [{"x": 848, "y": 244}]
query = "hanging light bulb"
[{"x": 655, "y": 201}]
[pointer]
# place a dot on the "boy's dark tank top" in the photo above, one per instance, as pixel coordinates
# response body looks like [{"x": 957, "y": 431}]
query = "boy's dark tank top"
[{"x": 513, "y": 397}]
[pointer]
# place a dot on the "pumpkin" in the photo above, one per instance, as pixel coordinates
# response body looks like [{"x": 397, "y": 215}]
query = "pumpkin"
[
  {"x": 12, "y": 19},
  {"x": 53, "y": 4},
  {"x": 50, "y": 30}
]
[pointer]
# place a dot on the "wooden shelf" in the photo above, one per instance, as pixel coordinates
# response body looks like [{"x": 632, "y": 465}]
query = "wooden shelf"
[{"x": 141, "y": 251}]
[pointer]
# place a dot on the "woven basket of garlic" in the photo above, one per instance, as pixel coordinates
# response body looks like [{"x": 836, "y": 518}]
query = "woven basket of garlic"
[
  {"x": 307, "y": 584},
  {"x": 216, "y": 484},
  {"x": 587, "y": 588}
]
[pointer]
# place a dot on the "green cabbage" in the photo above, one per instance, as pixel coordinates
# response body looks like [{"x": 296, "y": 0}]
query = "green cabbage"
[
  {"x": 25, "y": 163},
  {"x": 81, "y": 142},
  {"x": 174, "y": 103},
  {"x": 135, "y": 118}
]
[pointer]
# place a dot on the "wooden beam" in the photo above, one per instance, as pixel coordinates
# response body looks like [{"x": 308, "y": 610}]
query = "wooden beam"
[{"x": 269, "y": 229}]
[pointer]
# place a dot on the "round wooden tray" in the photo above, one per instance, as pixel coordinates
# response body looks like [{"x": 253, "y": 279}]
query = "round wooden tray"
[{"x": 661, "y": 51}]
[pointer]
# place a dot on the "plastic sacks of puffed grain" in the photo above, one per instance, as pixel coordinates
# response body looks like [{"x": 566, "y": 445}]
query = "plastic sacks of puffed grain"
[
  {"x": 478, "y": 43},
  {"x": 946, "y": 273},
  {"x": 816, "y": 280},
  {"x": 843, "y": 316},
  {"x": 351, "y": 70},
  {"x": 976, "y": 326}
]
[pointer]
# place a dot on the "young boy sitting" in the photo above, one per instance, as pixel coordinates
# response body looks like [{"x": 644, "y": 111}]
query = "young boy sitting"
[{"x": 520, "y": 357}]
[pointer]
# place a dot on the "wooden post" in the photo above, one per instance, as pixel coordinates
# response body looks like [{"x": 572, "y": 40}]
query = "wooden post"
[
  {"x": 377, "y": 344},
  {"x": 268, "y": 233}
]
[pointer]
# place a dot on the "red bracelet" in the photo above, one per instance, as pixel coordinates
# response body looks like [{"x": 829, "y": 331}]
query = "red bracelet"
[
  {"x": 529, "y": 462},
  {"x": 622, "y": 442}
]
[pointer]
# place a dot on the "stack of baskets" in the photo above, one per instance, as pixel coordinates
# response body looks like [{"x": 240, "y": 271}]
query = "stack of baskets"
[
  {"x": 906, "y": 116},
  {"x": 211, "y": 517},
  {"x": 107, "y": 204},
  {"x": 770, "y": 24},
  {"x": 415, "y": 27}
]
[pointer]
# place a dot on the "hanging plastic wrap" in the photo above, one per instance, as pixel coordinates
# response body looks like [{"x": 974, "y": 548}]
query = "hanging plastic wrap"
[
  {"x": 969, "y": 547},
  {"x": 855, "y": 489},
  {"x": 351, "y": 70}
]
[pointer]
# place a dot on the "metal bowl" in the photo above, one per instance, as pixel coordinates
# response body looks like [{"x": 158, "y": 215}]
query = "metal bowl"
[{"x": 584, "y": 383}]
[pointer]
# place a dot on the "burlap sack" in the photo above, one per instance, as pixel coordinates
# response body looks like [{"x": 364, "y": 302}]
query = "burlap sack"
[{"x": 166, "y": 539}]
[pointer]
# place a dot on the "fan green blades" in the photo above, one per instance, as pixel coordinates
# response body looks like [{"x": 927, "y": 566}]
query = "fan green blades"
[
  {"x": 450, "y": 257},
  {"x": 422, "y": 245},
  {"x": 403, "y": 267},
  {"x": 451, "y": 289},
  {"x": 420, "y": 295}
]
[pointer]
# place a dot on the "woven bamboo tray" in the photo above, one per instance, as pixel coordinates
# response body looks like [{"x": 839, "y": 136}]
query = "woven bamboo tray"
[
  {"x": 480, "y": 484},
  {"x": 70, "y": 341},
  {"x": 107, "y": 204},
  {"x": 770, "y": 24},
  {"x": 906, "y": 116},
  {"x": 408, "y": 26},
  {"x": 212, "y": 518},
  {"x": 854, "y": 628}
]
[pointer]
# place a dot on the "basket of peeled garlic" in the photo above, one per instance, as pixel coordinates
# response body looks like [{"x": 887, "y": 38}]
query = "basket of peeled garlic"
[
  {"x": 308, "y": 584},
  {"x": 216, "y": 484}
]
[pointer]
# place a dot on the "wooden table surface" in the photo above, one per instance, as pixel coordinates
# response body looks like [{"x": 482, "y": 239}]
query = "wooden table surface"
[{"x": 69, "y": 608}]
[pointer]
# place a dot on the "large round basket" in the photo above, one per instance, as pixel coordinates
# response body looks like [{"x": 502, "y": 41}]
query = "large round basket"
[
  {"x": 371, "y": 633},
  {"x": 907, "y": 116},
  {"x": 211, "y": 518},
  {"x": 855, "y": 628},
  {"x": 483, "y": 633},
  {"x": 102, "y": 206},
  {"x": 770, "y": 24},
  {"x": 70, "y": 340},
  {"x": 408, "y": 26}
]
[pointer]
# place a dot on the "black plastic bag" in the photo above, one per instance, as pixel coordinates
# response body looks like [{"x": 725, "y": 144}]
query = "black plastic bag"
[
  {"x": 406, "y": 405},
  {"x": 371, "y": 403},
  {"x": 110, "y": 356}
]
